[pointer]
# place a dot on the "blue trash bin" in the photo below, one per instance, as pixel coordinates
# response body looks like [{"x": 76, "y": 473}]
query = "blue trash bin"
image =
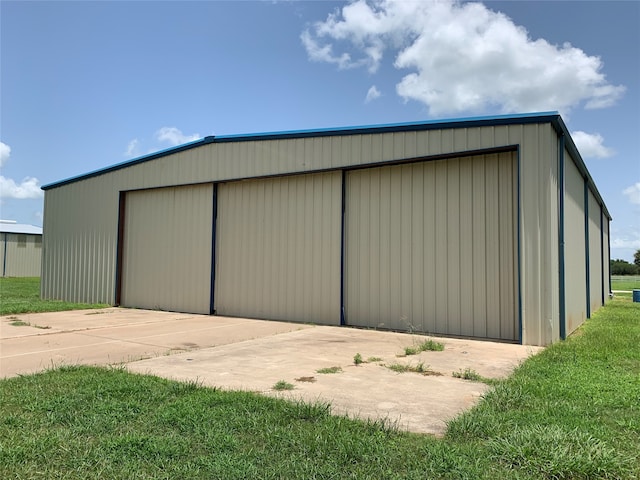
[{"x": 636, "y": 296}]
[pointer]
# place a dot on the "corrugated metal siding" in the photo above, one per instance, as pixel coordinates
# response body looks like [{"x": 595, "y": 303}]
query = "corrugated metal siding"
[
  {"x": 595, "y": 255},
  {"x": 606, "y": 274},
  {"x": 81, "y": 218},
  {"x": 23, "y": 255},
  {"x": 550, "y": 285},
  {"x": 431, "y": 247},
  {"x": 575, "y": 265},
  {"x": 538, "y": 232},
  {"x": 167, "y": 249},
  {"x": 79, "y": 244},
  {"x": 278, "y": 248}
]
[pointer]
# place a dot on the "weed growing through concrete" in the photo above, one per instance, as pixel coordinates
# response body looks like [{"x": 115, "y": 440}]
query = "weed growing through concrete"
[
  {"x": 19, "y": 323},
  {"x": 16, "y": 322},
  {"x": 282, "y": 385},
  {"x": 427, "y": 345},
  {"x": 330, "y": 370},
  {"x": 357, "y": 359},
  {"x": 411, "y": 351},
  {"x": 472, "y": 375},
  {"x": 420, "y": 368},
  {"x": 398, "y": 367},
  {"x": 431, "y": 345},
  {"x": 467, "y": 374}
]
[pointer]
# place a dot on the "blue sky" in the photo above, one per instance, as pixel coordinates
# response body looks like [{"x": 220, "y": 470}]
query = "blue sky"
[{"x": 88, "y": 84}]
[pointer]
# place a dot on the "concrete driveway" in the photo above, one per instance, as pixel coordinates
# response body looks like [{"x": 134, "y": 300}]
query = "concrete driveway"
[{"x": 238, "y": 353}]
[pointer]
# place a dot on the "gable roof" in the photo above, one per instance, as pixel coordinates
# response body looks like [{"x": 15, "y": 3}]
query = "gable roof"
[
  {"x": 11, "y": 227},
  {"x": 553, "y": 118},
  {"x": 543, "y": 117}
]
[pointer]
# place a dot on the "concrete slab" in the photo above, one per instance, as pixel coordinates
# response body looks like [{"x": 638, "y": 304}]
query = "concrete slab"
[
  {"x": 237, "y": 353},
  {"x": 412, "y": 401},
  {"x": 116, "y": 335}
]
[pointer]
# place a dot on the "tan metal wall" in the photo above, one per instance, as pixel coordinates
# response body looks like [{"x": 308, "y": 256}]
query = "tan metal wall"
[
  {"x": 79, "y": 244},
  {"x": 81, "y": 218},
  {"x": 575, "y": 264},
  {"x": 278, "y": 248},
  {"x": 20, "y": 261},
  {"x": 539, "y": 276},
  {"x": 167, "y": 249},
  {"x": 431, "y": 247},
  {"x": 607, "y": 256},
  {"x": 595, "y": 255}
]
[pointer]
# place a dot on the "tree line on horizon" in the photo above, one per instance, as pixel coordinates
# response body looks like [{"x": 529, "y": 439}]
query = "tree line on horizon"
[{"x": 622, "y": 267}]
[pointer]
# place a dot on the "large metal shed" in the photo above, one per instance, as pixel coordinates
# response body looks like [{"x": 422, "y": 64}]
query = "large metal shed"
[
  {"x": 20, "y": 249},
  {"x": 487, "y": 227}
]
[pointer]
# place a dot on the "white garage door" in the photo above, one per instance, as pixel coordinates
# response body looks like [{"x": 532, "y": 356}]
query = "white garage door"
[
  {"x": 431, "y": 247},
  {"x": 278, "y": 248},
  {"x": 167, "y": 249}
]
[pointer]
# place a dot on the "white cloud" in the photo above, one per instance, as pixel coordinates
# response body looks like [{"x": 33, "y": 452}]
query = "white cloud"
[
  {"x": 461, "y": 57},
  {"x": 324, "y": 53},
  {"x": 132, "y": 148},
  {"x": 5, "y": 153},
  {"x": 626, "y": 242},
  {"x": 174, "y": 136},
  {"x": 28, "y": 188},
  {"x": 633, "y": 193},
  {"x": 372, "y": 94},
  {"x": 590, "y": 145}
]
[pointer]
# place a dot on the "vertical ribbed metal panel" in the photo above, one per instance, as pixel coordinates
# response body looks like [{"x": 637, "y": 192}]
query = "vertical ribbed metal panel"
[
  {"x": 167, "y": 249},
  {"x": 575, "y": 269},
  {"x": 22, "y": 259},
  {"x": 81, "y": 218},
  {"x": 79, "y": 241},
  {"x": 538, "y": 235},
  {"x": 431, "y": 247},
  {"x": 278, "y": 248},
  {"x": 550, "y": 288},
  {"x": 595, "y": 255},
  {"x": 4, "y": 239},
  {"x": 606, "y": 274}
]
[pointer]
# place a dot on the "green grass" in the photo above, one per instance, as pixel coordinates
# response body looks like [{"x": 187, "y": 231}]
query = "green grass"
[
  {"x": 22, "y": 295},
  {"x": 571, "y": 412},
  {"x": 427, "y": 345},
  {"x": 625, "y": 282},
  {"x": 16, "y": 322},
  {"x": 472, "y": 375},
  {"x": 283, "y": 385},
  {"x": 329, "y": 370},
  {"x": 419, "y": 368}
]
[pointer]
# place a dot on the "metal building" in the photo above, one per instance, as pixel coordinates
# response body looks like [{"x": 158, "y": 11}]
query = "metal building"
[
  {"x": 20, "y": 249},
  {"x": 488, "y": 227}
]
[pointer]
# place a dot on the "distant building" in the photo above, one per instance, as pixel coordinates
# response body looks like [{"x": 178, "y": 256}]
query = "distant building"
[
  {"x": 20, "y": 249},
  {"x": 484, "y": 227}
]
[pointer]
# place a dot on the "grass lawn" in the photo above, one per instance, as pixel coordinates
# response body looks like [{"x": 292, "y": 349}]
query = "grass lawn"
[
  {"x": 625, "y": 282},
  {"x": 22, "y": 295},
  {"x": 571, "y": 412}
]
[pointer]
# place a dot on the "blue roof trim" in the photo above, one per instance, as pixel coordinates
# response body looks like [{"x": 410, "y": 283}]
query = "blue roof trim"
[
  {"x": 129, "y": 163},
  {"x": 496, "y": 120},
  {"x": 570, "y": 145},
  {"x": 395, "y": 127}
]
